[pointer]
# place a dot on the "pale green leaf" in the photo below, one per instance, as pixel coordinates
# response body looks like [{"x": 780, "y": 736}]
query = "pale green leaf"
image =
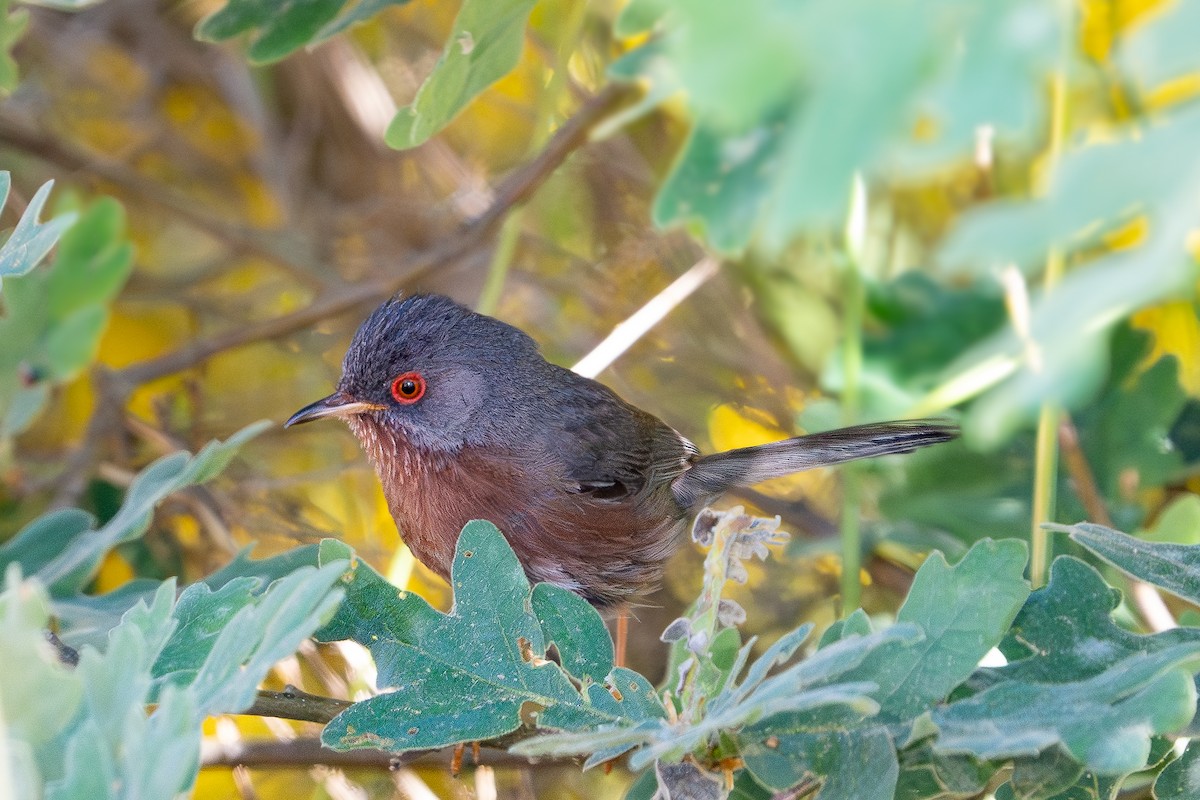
[
  {"x": 32, "y": 240},
  {"x": 484, "y": 46}
]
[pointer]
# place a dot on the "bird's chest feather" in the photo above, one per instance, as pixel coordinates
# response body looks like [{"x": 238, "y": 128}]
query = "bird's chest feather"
[{"x": 606, "y": 551}]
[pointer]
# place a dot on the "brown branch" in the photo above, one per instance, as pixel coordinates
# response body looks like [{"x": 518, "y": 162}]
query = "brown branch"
[
  {"x": 305, "y": 752},
  {"x": 242, "y": 240},
  {"x": 1146, "y": 598},
  {"x": 513, "y": 191},
  {"x": 293, "y": 703},
  {"x": 1083, "y": 480}
]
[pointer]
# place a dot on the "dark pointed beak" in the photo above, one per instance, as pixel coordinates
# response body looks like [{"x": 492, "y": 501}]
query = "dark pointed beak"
[{"x": 338, "y": 404}]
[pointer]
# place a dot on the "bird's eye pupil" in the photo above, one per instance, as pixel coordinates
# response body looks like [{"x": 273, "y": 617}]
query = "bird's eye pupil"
[{"x": 408, "y": 388}]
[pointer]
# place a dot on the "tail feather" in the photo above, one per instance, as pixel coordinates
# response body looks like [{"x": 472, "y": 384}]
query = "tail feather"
[{"x": 711, "y": 475}]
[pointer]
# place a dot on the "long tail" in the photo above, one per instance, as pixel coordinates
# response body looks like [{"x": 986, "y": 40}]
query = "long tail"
[{"x": 711, "y": 475}]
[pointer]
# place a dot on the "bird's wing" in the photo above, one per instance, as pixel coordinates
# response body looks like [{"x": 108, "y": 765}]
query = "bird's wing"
[{"x": 611, "y": 450}]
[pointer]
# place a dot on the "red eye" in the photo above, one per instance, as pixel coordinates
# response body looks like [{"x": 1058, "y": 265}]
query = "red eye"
[{"x": 408, "y": 388}]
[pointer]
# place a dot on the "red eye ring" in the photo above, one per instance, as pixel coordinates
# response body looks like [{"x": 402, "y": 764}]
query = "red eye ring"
[{"x": 408, "y": 388}]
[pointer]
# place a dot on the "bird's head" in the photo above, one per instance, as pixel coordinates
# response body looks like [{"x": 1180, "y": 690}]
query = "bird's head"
[{"x": 432, "y": 371}]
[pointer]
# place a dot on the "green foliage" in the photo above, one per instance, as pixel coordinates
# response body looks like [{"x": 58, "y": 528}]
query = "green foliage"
[
  {"x": 484, "y": 45},
  {"x": 55, "y": 316},
  {"x": 62, "y": 550},
  {"x": 31, "y": 240},
  {"x": 1070, "y": 325},
  {"x": 12, "y": 28},
  {"x": 1122, "y": 432},
  {"x": 906, "y": 705},
  {"x": 1174, "y": 567},
  {"x": 474, "y": 673},
  {"x": 1180, "y": 779},
  {"x": 775, "y": 144},
  {"x": 277, "y": 29},
  {"x": 86, "y": 732},
  {"x": 140, "y": 690}
]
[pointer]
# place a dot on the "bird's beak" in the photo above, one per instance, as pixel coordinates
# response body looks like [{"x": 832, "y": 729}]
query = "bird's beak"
[{"x": 338, "y": 404}]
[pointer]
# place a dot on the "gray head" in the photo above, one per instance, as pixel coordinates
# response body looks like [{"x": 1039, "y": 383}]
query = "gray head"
[{"x": 433, "y": 371}]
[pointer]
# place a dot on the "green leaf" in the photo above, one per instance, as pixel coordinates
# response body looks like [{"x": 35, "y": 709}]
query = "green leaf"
[
  {"x": 38, "y": 695},
  {"x": 639, "y": 16},
  {"x": 964, "y": 611},
  {"x": 1104, "y": 722},
  {"x": 776, "y": 142},
  {"x": 86, "y": 619},
  {"x": 470, "y": 674},
  {"x": 265, "y": 569},
  {"x": 583, "y": 643},
  {"x": 277, "y": 29},
  {"x": 12, "y": 28},
  {"x": 723, "y": 211},
  {"x": 228, "y": 640},
  {"x": 55, "y": 317},
  {"x": 1045, "y": 775},
  {"x": 1066, "y": 631},
  {"x": 63, "y": 553},
  {"x": 1173, "y": 567},
  {"x": 484, "y": 45},
  {"x": 855, "y": 765},
  {"x": 1071, "y": 325},
  {"x": 31, "y": 240},
  {"x": 1160, "y": 49},
  {"x": 1179, "y": 523},
  {"x": 926, "y": 774},
  {"x": 1180, "y": 780}
]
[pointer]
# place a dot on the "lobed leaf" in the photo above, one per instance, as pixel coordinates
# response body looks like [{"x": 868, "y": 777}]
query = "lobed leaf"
[
  {"x": 477, "y": 672},
  {"x": 852, "y": 765},
  {"x": 1105, "y": 722}
]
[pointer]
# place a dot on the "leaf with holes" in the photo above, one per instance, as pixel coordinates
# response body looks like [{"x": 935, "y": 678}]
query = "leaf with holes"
[{"x": 478, "y": 672}]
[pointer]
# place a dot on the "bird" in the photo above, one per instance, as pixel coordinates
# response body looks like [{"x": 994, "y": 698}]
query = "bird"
[{"x": 463, "y": 419}]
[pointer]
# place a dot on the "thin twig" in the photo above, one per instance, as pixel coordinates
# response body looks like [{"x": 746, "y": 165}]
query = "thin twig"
[
  {"x": 627, "y": 333},
  {"x": 293, "y": 703},
  {"x": 304, "y": 752},
  {"x": 1146, "y": 598}
]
